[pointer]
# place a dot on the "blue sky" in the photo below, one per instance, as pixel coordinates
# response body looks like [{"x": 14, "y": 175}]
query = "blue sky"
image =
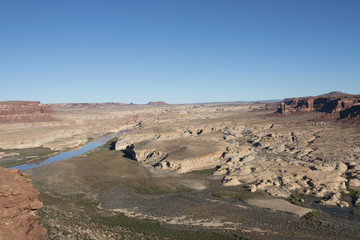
[{"x": 178, "y": 51}]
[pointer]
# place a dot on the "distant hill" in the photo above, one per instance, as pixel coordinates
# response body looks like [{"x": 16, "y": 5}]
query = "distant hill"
[
  {"x": 336, "y": 94},
  {"x": 84, "y": 105},
  {"x": 157, "y": 103}
]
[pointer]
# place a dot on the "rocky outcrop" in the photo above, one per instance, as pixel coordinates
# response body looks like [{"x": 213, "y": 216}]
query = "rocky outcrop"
[
  {"x": 181, "y": 155},
  {"x": 315, "y": 161},
  {"x": 306, "y": 157},
  {"x": 19, "y": 203},
  {"x": 352, "y": 113},
  {"x": 354, "y": 175},
  {"x": 181, "y": 147},
  {"x": 336, "y": 104},
  {"x": 24, "y": 111}
]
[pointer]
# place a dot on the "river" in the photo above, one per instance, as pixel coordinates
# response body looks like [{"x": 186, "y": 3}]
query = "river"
[{"x": 70, "y": 154}]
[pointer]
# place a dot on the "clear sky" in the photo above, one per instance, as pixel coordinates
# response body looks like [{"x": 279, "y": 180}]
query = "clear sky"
[{"x": 178, "y": 51}]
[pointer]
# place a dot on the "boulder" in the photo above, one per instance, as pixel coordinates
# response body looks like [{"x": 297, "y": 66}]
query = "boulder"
[
  {"x": 357, "y": 202},
  {"x": 354, "y": 183}
]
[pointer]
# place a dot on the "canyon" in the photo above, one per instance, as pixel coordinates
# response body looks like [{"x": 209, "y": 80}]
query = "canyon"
[
  {"x": 276, "y": 156},
  {"x": 216, "y": 167}
]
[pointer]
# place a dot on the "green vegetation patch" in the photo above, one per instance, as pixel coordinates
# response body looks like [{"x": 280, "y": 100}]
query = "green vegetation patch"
[
  {"x": 151, "y": 187},
  {"x": 110, "y": 145},
  {"x": 25, "y": 155},
  {"x": 311, "y": 216},
  {"x": 155, "y": 228},
  {"x": 209, "y": 171},
  {"x": 356, "y": 212},
  {"x": 353, "y": 193},
  {"x": 294, "y": 199},
  {"x": 240, "y": 193},
  {"x": 38, "y": 151},
  {"x": 77, "y": 216}
]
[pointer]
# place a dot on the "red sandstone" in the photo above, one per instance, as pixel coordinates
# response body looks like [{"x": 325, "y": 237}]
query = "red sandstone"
[
  {"x": 23, "y": 111},
  {"x": 335, "y": 104},
  {"x": 19, "y": 203}
]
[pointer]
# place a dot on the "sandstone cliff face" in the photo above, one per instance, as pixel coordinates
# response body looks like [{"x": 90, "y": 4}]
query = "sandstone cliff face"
[
  {"x": 23, "y": 111},
  {"x": 336, "y": 104},
  {"x": 18, "y": 207}
]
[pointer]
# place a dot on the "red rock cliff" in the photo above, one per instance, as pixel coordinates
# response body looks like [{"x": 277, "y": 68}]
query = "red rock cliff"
[
  {"x": 337, "y": 104},
  {"x": 18, "y": 207},
  {"x": 23, "y": 111}
]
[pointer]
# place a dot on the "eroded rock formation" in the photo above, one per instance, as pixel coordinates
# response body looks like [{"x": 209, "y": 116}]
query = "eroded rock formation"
[
  {"x": 338, "y": 105},
  {"x": 276, "y": 155},
  {"x": 182, "y": 155},
  {"x": 19, "y": 203},
  {"x": 181, "y": 149},
  {"x": 23, "y": 111}
]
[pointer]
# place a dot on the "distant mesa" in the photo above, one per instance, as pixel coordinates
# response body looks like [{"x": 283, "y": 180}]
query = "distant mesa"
[
  {"x": 24, "y": 111},
  {"x": 335, "y": 105},
  {"x": 264, "y": 106},
  {"x": 84, "y": 105},
  {"x": 157, "y": 103}
]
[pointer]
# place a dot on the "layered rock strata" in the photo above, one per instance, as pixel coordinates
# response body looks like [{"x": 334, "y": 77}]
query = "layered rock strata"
[
  {"x": 19, "y": 203},
  {"x": 336, "y": 104},
  {"x": 23, "y": 111}
]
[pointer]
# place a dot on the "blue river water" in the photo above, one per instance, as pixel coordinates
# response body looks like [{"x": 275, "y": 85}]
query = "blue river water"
[{"x": 66, "y": 155}]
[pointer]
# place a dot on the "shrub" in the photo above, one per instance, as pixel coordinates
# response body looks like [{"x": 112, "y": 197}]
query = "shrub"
[
  {"x": 204, "y": 171},
  {"x": 294, "y": 199},
  {"x": 311, "y": 216}
]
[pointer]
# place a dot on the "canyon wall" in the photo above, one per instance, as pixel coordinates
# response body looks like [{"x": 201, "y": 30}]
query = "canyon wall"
[
  {"x": 19, "y": 203},
  {"x": 336, "y": 105},
  {"x": 24, "y": 111}
]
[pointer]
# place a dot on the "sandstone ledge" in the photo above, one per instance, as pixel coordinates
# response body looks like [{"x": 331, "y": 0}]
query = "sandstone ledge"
[{"x": 19, "y": 203}]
